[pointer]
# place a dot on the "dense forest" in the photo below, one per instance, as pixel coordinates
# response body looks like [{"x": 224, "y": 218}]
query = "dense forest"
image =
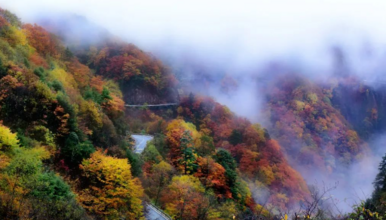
[{"x": 66, "y": 150}]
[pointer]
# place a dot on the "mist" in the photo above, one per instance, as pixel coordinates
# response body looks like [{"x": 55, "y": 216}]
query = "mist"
[
  {"x": 236, "y": 39},
  {"x": 205, "y": 41}
]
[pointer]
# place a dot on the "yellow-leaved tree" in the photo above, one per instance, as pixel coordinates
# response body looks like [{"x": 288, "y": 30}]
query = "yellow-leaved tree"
[
  {"x": 184, "y": 198},
  {"x": 113, "y": 192},
  {"x": 8, "y": 139}
]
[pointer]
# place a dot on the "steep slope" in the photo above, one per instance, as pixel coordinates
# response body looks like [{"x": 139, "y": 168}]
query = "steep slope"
[
  {"x": 54, "y": 114},
  {"x": 362, "y": 105},
  {"x": 62, "y": 111},
  {"x": 315, "y": 135},
  {"x": 142, "y": 77},
  {"x": 259, "y": 158}
]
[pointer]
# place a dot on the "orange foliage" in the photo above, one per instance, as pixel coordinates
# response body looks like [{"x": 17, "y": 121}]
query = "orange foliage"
[
  {"x": 259, "y": 157},
  {"x": 62, "y": 117},
  {"x": 174, "y": 132},
  {"x": 212, "y": 175},
  {"x": 125, "y": 62},
  {"x": 248, "y": 162},
  {"x": 36, "y": 59},
  {"x": 184, "y": 197},
  {"x": 81, "y": 73},
  {"x": 7, "y": 83},
  {"x": 97, "y": 83},
  {"x": 312, "y": 130},
  {"x": 41, "y": 40}
]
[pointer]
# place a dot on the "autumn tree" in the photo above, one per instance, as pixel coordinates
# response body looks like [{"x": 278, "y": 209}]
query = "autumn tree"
[
  {"x": 10, "y": 17},
  {"x": 157, "y": 180},
  {"x": 207, "y": 146},
  {"x": 188, "y": 155},
  {"x": 19, "y": 177},
  {"x": 183, "y": 197},
  {"x": 151, "y": 154},
  {"x": 182, "y": 138},
  {"x": 112, "y": 192},
  {"x": 41, "y": 40},
  {"x": 8, "y": 140},
  {"x": 212, "y": 175},
  {"x": 224, "y": 158}
]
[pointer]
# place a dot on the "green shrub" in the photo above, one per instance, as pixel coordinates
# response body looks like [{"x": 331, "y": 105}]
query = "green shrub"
[
  {"x": 75, "y": 151},
  {"x": 52, "y": 187}
]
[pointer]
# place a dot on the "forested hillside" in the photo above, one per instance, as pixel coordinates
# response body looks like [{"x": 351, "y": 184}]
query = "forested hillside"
[
  {"x": 66, "y": 150},
  {"x": 315, "y": 134},
  {"x": 64, "y": 138}
]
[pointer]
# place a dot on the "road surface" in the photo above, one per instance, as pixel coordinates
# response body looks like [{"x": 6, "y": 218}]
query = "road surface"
[
  {"x": 154, "y": 214},
  {"x": 140, "y": 142}
]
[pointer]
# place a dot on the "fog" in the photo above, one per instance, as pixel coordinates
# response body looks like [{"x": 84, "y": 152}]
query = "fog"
[
  {"x": 235, "y": 37},
  {"x": 242, "y": 31},
  {"x": 203, "y": 41}
]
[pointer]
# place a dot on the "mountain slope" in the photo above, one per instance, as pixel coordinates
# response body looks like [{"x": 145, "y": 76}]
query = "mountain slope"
[{"x": 66, "y": 150}]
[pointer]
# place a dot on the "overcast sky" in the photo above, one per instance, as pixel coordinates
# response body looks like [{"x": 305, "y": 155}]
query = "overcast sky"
[
  {"x": 238, "y": 34},
  {"x": 272, "y": 26}
]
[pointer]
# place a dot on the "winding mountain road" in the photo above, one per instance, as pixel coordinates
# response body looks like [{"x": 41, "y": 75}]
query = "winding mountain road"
[
  {"x": 140, "y": 143},
  {"x": 154, "y": 214}
]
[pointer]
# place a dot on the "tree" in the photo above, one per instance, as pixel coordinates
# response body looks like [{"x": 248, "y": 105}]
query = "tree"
[
  {"x": 8, "y": 140},
  {"x": 318, "y": 204},
  {"x": 13, "y": 35},
  {"x": 183, "y": 197},
  {"x": 380, "y": 179},
  {"x": 236, "y": 137},
  {"x": 18, "y": 178},
  {"x": 52, "y": 199},
  {"x": 75, "y": 151},
  {"x": 105, "y": 95},
  {"x": 135, "y": 161},
  {"x": 212, "y": 175},
  {"x": 113, "y": 192},
  {"x": 151, "y": 154},
  {"x": 10, "y": 17},
  {"x": 158, "y": 179},
  {"x": 3, "y": 70},
  {"x": 188, "y": 155},
  {"x": 249, "y": 162},
  {"x": 41, "y": 40},
  {"x": 379, "y": 193},
  {"x": 52, "y": 187},
  {"x": 182, "y": 138},
  {"x": 207, "y": 146}
]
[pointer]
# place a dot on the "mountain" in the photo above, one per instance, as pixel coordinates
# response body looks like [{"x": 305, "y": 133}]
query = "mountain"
[
  {"x": 69, "y": 102},
  {"x": 315, "y": 133}
]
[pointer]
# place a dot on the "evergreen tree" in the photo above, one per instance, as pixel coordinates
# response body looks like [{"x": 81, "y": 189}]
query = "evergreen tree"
[
  {"x": 380, "y": 179},
  {"x": 188, "y": 159},
  {"x": 236, "y": 137},
  {"x": 380, "y": 187}
]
